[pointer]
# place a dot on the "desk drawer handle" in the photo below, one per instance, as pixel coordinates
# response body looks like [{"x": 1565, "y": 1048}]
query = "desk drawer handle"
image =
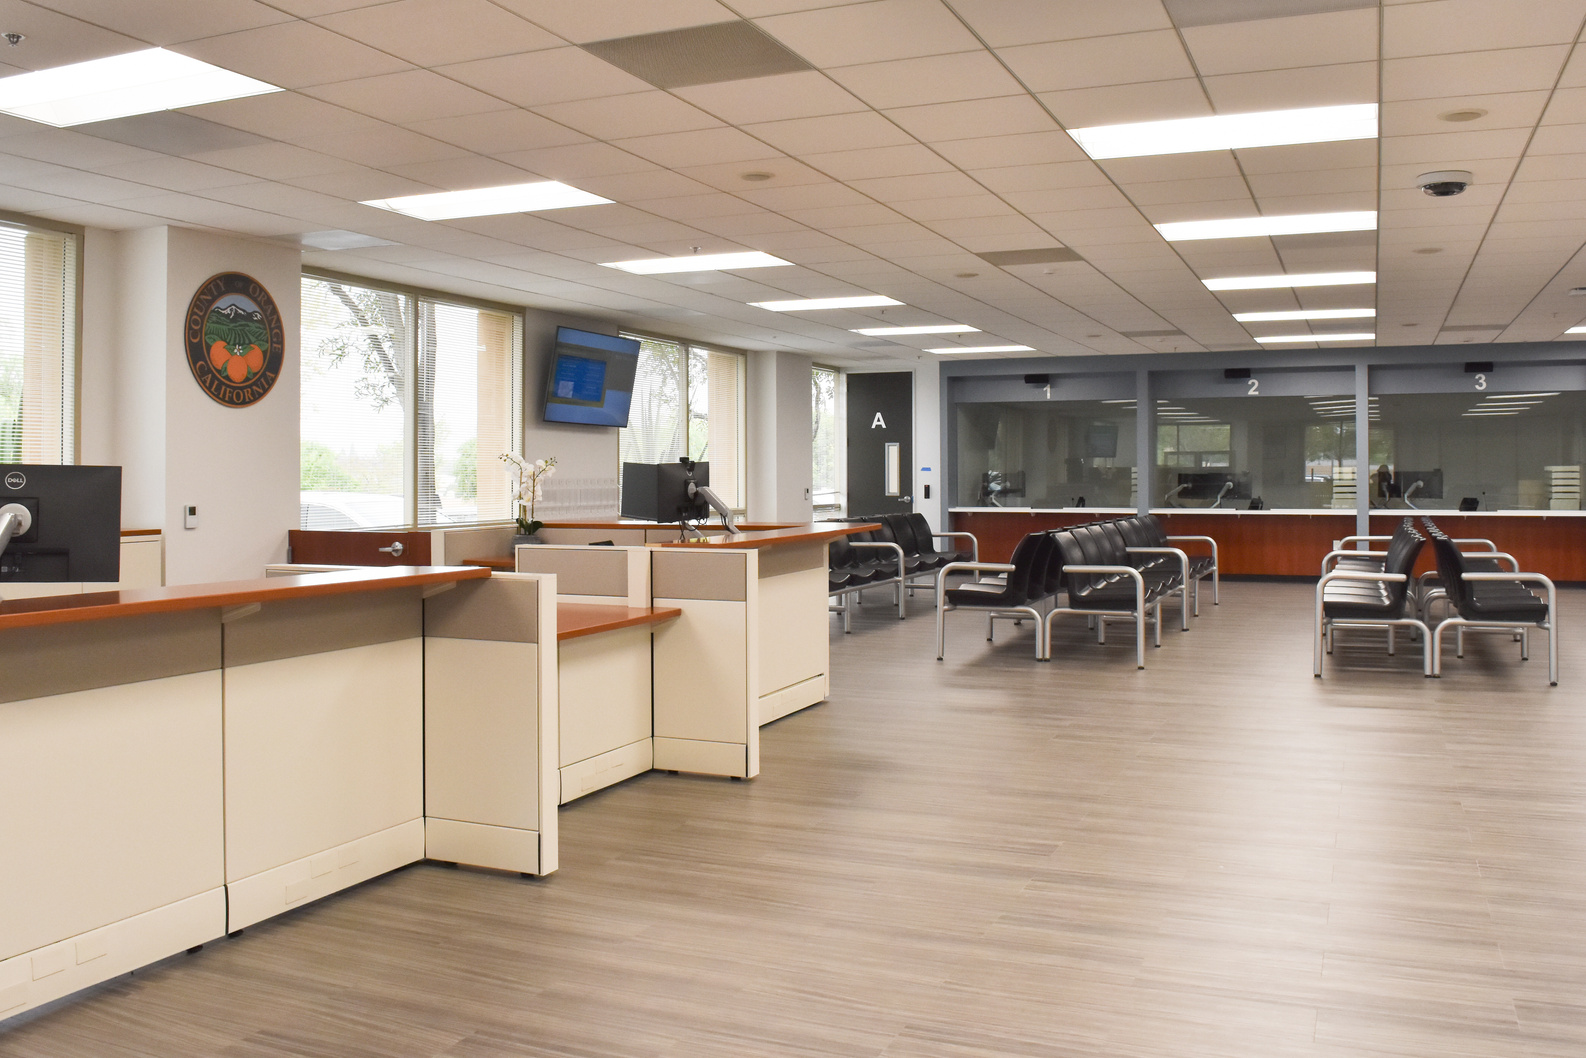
[{"x": 395, "y": 550}]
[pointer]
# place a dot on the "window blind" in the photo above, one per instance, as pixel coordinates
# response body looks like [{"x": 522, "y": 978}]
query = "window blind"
[{"x": 38, "y": 345}]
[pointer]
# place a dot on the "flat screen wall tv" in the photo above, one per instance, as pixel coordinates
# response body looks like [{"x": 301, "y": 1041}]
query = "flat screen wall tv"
[{"x": 591, "y": 378}]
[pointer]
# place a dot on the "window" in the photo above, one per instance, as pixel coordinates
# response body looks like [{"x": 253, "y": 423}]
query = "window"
[
  {"x": 38, "y": 345},
  {"x": 689, "y": 400},
  {"x": 1047, "y": 453},
  {"x": 826, "y": 420},
  {"x": 408, "y": 403}
]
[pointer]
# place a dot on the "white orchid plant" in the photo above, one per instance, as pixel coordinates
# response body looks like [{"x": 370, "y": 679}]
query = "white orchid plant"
[{"x": 529, "y": 488}]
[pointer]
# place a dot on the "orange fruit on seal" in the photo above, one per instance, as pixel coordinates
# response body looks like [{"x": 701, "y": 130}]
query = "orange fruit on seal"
[
  {"x": 255, "y": 359},
  {"x": 218, "y": 354},
  {"x": 237, "y": 368}
]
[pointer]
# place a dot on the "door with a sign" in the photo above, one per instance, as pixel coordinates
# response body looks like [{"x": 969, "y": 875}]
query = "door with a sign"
[{"x": 880, "y": 442}]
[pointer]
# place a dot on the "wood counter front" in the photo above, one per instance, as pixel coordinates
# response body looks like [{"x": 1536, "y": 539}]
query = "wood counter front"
[{"x": 99, "y": 606}]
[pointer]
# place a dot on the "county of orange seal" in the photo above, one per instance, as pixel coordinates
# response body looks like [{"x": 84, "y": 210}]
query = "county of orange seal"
[{"x": 235, "y": 343}]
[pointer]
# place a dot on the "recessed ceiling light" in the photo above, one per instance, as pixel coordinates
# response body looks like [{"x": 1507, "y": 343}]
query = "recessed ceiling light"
[
  {"x": 1229, "y": 131},
  {"x": 1275, "y": 338},
  {"x": 1488, "y": 414},
  {"x": 1250, "y": 227},
  {"x": 118, "y": 86},
  {"x": 1576, "y": 330},
  {"x": 1305, "y": 314},
  {"x": 710, "y": 262},
  {"x": 938, "y": 328},
  {"x": 1521, "y": 404},
  {"x": 985, "y": 349},
  {"x": 1470, "y": 114},
  {"x": 867, "y": 301},
  {"x": 489, "y": 201},
  {"x": 1520, "y": 396},
  {"x": 1311, "y": 279}
]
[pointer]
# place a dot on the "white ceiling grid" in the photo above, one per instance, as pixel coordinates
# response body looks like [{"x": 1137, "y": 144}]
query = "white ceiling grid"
[{"x": 928, "y": 132}]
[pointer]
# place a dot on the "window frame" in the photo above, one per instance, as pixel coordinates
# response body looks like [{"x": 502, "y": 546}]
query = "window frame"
[
  {"x": 418, "y": 295},
  {"x": 73, "y": 326},
  {"x": 839, "y": 441}
]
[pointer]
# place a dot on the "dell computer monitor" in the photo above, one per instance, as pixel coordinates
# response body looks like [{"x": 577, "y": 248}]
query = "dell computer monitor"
[
  {"x": 72, "y": 527},
  {"x": 591, "y": 378},
  {"x": 1209, "y": 485},
  {"x": 658, "y": 492}
]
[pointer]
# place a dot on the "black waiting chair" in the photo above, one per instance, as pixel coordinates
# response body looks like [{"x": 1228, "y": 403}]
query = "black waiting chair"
[
  {"x": 1490, "y": 600},
  {"x": 1200, "y": 566},
  {"x": 1370, "y": 589},
  {"x": 1101, "y": 583},
  {"x": 1026, "y": 570}
]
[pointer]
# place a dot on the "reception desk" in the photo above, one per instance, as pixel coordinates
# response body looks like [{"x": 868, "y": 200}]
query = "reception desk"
[
  {"x": 181, "y": 763},
  {"x": 1291, "y": 543}
]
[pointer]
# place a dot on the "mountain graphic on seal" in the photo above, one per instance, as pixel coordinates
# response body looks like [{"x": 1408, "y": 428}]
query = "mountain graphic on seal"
[{"x": 233, "y": 313}]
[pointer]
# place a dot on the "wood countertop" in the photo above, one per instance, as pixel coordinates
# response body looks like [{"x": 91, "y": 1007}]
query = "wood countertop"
[
  {"x": 104, "y": 605},
  {"x": 575, "y": 619}
]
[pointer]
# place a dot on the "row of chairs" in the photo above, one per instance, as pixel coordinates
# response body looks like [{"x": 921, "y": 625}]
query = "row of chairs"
[
  {"x": 901, "y": 551},
  {"x": 1123, "y": 569},
  {"x": 1477, "y": 587}
]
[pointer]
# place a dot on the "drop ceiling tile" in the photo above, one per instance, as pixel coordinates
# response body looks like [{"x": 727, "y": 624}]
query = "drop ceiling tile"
[
  {"x": 438, "y": 32},
  {"x": 1007, "y": 22},
  {"x": 1304, "y": 157},
  {"x": 162, "y": 22},
  {"x": 1213, "y": 189},
  {"x": 805, "y": 196},
  {"x": 652, "y": 184},
  {"x": 1473, "y": 73},
  {"x": 827, "y": 218},
  {"x": 462, "y": 173},
  {"x": 930, "y": 79},
  {"x": 272, "y": 197},
  {"x": 359, "y": 183},
  {"x": 1040, "y": 177},
  {"x": 895, "y": 190},
  {"x": 900, "y": 161},
  {"x": 52, "y": 207},
  {"x": 75, "y": 149},
  {"x": 1452, "y": 150},
  {"x": 1546, "y": 191},
  {"x": 1507, "y": 110},
  {"x": 871, "y": 32},
  {"x": 836, "y": 132},
  {"x": 1280, "y": 43},
  {"x": 54, "y": 39},
  {"x": 1019, "y": 149},
  {"x": 382, "y": 146},
  {"x": 1202, "y": 165},
  {"x": 1100, "y": 197},
  {"x": 977, "y": 118},
  {"x": 690, "y": 208},
  {"x": 559, "y": 75},
  {"x": 1121, "y": 104},
  {"x": 930, "y": 210},
  {"x": 576, "y": 161},
  {"x": 498, "y": 132},
  {"x": 1098, "y": 61},
  {"x": 809, "y": 93},
  {"x": 292, "y": 55},
  {"x": 278, "y": 160},
  {"x": 1309, "y": 86},
  {"x": 782, "y": 172},
  {"x": 591, "y": 20},
  {"x": 1316, "y": 182},
  {"x": 701, "y": 147},
  {"x": 282, "y": 116},
  {"x": 981, "y": 227},
  {"x": 1551, "y": 167},
  {"x": 639, "y": 114},
  {"x": 406, "y": 97},
  {"x": 1559, "y": 139},
  {"x": 1443, "y": 26},
  {"x": 1060, "y": 221},
  {"x": 175, "y": 174}
]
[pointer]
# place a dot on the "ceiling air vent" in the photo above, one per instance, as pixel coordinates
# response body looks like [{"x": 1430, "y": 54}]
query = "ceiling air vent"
[
  {"x": 678, "y": 58},
  {"x": 1045, "y": 255},
  {"x": 1458, "y": 327},
  {"x": 1187, "y": 13},
  {"x": 1152, "y": 334},
  {"x": 170, "y": 132}
]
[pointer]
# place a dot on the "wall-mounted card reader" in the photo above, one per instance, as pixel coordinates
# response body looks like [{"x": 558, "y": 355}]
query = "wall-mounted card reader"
[{"x": 190, "y": 517}]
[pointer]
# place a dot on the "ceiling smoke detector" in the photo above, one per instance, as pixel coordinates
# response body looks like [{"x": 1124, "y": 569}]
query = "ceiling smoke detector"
[
  {"x": 1445, "y": 183},
  {"x": 14, "y": 39}
]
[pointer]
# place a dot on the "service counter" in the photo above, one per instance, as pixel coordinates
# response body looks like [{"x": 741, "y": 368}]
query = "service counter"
[
  {"x": 181, "y": 763},
  {"x": 1292, "y": 542}
]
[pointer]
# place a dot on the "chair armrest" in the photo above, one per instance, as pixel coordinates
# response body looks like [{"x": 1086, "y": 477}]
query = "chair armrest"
[
  {"x": 1501, "y": 556},
  {"x": 984, "y": 567},
  {"x": 1524, "y": 578},
  {"x": 1194, "y": 539},
  {"x": 1477, "y": 541},
  {"x": 1333, "y": 556},
  {"x": 1343, "y": 544},
  {"x": 1353, "y": 574},
  {"x": 1183, "y": 559},
  {"x": 974, "y": 544},
  {"x": 882, "y": 544}
]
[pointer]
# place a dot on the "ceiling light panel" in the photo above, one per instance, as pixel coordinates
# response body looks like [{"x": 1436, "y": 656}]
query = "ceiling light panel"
[
  {"x": 938, "y": 328},
  {"x": 1229, "y": 132},
  {"x": 1275, "y": 339},
  {"x": 489, "y": 201},
  {"x": 118, "y": 86},
  {"x": 1576, "y": 330},
  {"x": 1305, "y": 314},
  {"x": 984, "y": 349},
  {"x": 1252, "y": 227},
  {"x": 1311, "y": 279},
  {"x": 868, "y": 301},
  {"x": 709, "y": 262}
]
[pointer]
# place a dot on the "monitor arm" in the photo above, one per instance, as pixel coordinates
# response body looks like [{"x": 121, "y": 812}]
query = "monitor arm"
[
  {"x": 1411, "y": 492},
  {"x": 704, "y": 492},
  {"x": 1168, "y": 499},
  {"x": 15, "y": 520},
  {"x": 1228, "y": 487}
]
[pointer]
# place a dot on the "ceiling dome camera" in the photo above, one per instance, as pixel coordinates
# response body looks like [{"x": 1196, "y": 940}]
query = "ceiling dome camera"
[{"x": 1444, "y": 183}]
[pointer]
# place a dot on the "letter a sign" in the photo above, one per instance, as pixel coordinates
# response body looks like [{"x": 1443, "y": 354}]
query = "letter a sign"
[{"x": 878, "y": 423}]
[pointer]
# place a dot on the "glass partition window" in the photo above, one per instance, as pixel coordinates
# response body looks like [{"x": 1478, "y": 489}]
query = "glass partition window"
[
  {"x": 1046, "y": 454},
  {"x": 1479, "y": 451},
  {"x": 407, "y": 405},
  {"x": 38, "y": 345},
  {"x": 689, "y": 400},
  {"x": 1288, "y": 452}
]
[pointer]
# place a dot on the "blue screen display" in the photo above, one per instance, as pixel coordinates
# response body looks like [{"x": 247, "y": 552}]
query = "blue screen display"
[{"x": 579, "y": 378}]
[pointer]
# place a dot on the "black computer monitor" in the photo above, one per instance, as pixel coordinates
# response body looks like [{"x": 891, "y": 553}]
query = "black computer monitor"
[
  {"x": 658, "y": 492},
  {"x": 75, "y": 530},
  {"x": 1209, "y": 484},
  {"x": 1431, "y": 487}
]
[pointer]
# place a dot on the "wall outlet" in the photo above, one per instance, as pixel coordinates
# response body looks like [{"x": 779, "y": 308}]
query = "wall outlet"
[{"x": 190, "y": 517}]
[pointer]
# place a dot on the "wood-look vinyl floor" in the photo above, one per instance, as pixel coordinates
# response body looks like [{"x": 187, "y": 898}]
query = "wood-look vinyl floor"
[{"x": 988, "y": 857}]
